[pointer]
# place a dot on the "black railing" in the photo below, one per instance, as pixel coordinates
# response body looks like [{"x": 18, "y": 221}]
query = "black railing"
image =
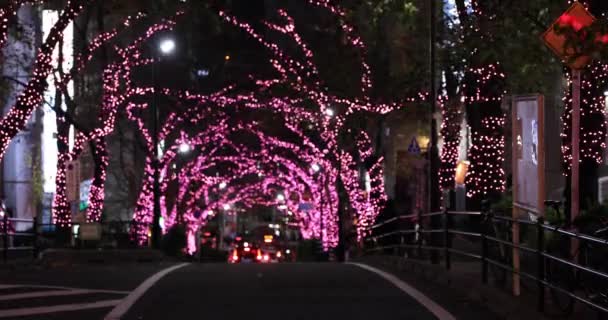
[
  {"x": 14, "y": 240},
  {"x": 495, "y": 250},
  {"x": 38, "y": 237}
]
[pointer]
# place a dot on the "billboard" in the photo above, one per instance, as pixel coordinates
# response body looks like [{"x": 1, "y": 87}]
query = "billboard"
[{"x": 528, "y": 154}]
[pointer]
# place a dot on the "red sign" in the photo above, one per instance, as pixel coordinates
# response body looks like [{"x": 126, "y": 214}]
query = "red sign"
[{"x": 578, "y": 17}]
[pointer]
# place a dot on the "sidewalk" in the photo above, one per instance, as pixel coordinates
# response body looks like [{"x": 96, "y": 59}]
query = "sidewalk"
[{"x": 461, "y": 291}]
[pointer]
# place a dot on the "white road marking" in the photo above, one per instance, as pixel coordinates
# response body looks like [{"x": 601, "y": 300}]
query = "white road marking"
[
  {"x": 431, "y": 305},
  {"x": 130, "y": 300},
  {"x": 12, "y": 286},
  {"x": 22, "y": 312},
  {"x": 8, "y": 286},
  {"x": 37, "y": 294}
]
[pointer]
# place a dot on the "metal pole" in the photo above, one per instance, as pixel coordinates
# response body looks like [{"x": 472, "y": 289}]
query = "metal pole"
[
  {"x": 156, "y": 230},
  {"x": 540, "y": 247},
  {"x": 5, "y": 237},
  {"x": 574, "y": 184},
  {"x": 35, "y": 238},
  {"x": 433, "y": 185},
  {"x": 321, "y": 209},
  {"x": 576, "y": 123},
  {"x": 447, "y": 239},
  {"x": 484, "y": 247}
]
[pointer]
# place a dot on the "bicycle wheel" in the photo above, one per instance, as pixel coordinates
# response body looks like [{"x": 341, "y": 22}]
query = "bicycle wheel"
[{"x": 563, "y": 277}]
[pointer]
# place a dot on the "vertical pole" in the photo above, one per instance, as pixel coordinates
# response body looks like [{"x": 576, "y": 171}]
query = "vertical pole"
[
  {"x": 156, "y": 230},
  {"x": 484, "y": 247},
  {"x": 540, "y": 272},
  {"x": 576, "y": 124},
  {"x": 419, "y": 233},
  {"x": 35, "y": 238},
  {"x": 447, "y": 244},
  {"x": 5, "y": 237},
  {"x": 321, "y": 209},
  {"x": 516, "y": 257}
]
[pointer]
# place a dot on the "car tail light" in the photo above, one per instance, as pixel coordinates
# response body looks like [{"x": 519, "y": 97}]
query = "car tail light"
[
  {"x": 247, "y": 249},
  {"x": 259, "y": 257},
  {"x": 266, "y": 258},
  {"x": 278, "y": 254},
  {"x": 235, "y": 256}
]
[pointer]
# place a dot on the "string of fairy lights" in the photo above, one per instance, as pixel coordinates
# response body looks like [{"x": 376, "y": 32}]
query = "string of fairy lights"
[{"x": 360, "y": 173}]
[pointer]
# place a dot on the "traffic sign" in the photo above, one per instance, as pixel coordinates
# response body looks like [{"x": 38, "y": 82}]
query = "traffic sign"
[
  {"x": 414, "y": 148},
  {"x": 578, "y": 17},
  {"x": 73, "y": 180}
]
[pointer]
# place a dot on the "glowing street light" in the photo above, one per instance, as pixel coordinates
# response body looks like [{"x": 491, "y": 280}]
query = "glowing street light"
[
  {"x": 167, "y": 46},
  {"x": 226, "y": 206},
  {"x": 223, "y": 185},
  {"x": 280, "y": 197},
  {"x": 315, "y": 167},
  {"x": 184, "y": 148},
  {"x": 330, "y": 112}
]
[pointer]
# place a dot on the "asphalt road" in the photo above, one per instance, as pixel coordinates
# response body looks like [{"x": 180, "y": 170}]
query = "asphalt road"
[
  {"x": 275, "y": 291},
  {"x": 207, "y": 291}
]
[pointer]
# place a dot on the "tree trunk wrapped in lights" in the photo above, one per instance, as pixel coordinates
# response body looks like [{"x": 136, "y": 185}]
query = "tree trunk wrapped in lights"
[{"x": 484, "y": 91}]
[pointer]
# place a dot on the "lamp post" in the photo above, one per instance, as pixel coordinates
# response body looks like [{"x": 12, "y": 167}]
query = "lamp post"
[
  {"x": 183, "y": 151},
  {"x": 166, "y": 47}
]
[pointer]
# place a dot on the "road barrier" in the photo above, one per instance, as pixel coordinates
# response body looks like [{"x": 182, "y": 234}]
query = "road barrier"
[
  {"x": 37, "y": 237},
  {"x": 573, "y": 269}
]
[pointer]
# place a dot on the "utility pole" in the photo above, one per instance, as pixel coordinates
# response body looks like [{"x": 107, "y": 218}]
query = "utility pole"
[
  {"x": 433, "y": 179},
  {"x": 156, "y": 231}
]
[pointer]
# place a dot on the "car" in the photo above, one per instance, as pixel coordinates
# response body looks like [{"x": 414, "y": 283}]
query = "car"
[
  {"x": 271, "y": 253},
  {"x": 245, "y": 252}
]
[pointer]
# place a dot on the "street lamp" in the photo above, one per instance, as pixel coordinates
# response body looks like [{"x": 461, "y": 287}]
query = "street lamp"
[
  {"x": 165, "y": 47},
  {"x": 315, "y": 167},
  {"x": 184, "y": 148},
  {"x": 330, "y": 112},
  {"x": 280, "y": 197},
  {"x": 223, "y": 185}
]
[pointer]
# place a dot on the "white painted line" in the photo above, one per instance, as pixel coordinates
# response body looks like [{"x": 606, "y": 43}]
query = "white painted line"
[
  {"x": 11, "y": 286},
  {"x": 38, "y": 294},
  {"x": 130, "y": 300},
  {"x": 431, "y": 305},
  {"x": 22, "y": 312}
]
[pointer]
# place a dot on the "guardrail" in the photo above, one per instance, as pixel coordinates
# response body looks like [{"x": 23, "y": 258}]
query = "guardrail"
[
  {"x": 489, "y": 242},
  {"x": 115, "y": 234},
  {"x": 9, "y": 233}
]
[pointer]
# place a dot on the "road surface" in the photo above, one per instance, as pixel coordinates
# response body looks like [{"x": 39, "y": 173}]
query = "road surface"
[{"x": 207, "y": 291}]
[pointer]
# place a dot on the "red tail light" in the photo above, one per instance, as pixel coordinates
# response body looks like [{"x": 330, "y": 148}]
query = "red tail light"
[{"x": 259, "y": 257}]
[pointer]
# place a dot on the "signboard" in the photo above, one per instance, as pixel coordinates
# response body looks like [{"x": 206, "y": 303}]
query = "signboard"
[
  {"x": 528, "y": 154},
  {"x": 305, "y": 206},
  {"x": 73, "y": 180},
  {"x": 90, "y": 232},
  {"x": 578, "y": 17},
  {"x": 85, "y": 189},
  {"x": 528, "y": 114}
]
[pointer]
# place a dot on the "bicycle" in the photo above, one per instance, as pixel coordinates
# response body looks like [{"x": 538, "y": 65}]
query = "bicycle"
[{"x": 570, "y": 279}]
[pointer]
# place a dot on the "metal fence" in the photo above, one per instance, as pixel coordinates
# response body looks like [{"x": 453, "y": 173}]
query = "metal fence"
[
  {"x": 14, "y": 241},
  {"x": 574, "y": 268},
  {"x": 38, "y": 237}
]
